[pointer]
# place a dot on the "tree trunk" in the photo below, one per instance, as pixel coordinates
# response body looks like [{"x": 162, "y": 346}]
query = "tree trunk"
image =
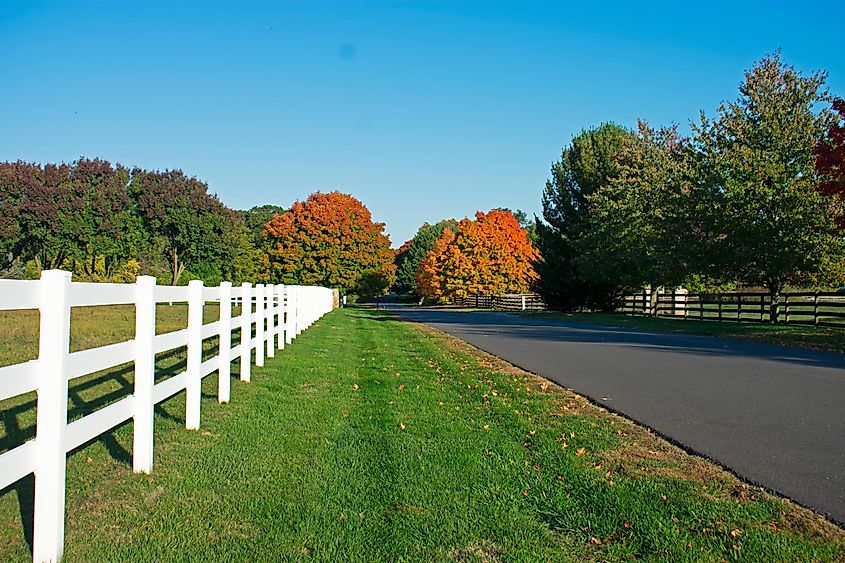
[
  {"x": 177, "y": 268},
  {"x": 774, "y": 301}
]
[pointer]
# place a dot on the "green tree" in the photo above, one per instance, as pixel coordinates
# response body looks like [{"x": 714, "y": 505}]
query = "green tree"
[
  {"x": 636, "y": 235},
  {"x": 256, "y": 218},
  {"x": 185, "y": 221},
  {"x": 108, "y": 229},
  {"x": 241, "y": 257},
  {"x": 408, "y": 258},
  {"x": 766, "y": 222},
  {"x": 586, "y": 166}
]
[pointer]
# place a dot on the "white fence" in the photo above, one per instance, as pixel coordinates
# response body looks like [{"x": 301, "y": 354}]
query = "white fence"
[{"x": 278, "y": 313}]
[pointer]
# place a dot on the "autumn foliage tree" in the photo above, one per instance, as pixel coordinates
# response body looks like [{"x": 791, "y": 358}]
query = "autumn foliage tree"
[
  {"x": 488, "y": 256},
  {"x": 330, "y": 239},
  {"x": 830, "y": 160}
]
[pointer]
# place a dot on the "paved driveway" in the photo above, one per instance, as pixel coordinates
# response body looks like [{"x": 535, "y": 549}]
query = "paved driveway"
[{"x": 772, "y": 414}]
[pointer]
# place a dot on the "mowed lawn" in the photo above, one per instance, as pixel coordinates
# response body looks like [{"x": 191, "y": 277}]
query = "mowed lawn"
[{"x": 371, "y": 439}]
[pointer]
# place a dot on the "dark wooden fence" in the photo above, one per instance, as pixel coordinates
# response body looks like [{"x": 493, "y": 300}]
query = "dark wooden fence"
[
  {"x": 808, "y": 307},
  {"x": 817, "y": 308},
  {"x": 511, "y": 302}
]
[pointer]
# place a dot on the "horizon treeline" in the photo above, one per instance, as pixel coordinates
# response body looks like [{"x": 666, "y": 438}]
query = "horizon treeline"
[
  {"x": 106, "y": 222},
  {"x": 111, "y": 223}
]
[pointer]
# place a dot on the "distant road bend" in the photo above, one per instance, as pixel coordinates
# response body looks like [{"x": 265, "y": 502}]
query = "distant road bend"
[{"x": 772, "y": 414}]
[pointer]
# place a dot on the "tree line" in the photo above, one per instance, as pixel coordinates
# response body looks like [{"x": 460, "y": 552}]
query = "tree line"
[
  {"x": 106, "y": 222},
  {"x": 750, "y": 198}
]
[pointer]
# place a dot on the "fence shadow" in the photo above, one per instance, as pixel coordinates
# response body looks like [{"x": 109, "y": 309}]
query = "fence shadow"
[{"x": 25, "y": 490}]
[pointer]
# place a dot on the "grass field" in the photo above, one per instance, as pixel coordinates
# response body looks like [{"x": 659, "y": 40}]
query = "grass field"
[
  {"x": 371, "y": 439},
  {"x": 804, "y": 336}
]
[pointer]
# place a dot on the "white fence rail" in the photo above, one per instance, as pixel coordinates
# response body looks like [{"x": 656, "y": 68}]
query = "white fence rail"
[{"x": 277, "y": 312}]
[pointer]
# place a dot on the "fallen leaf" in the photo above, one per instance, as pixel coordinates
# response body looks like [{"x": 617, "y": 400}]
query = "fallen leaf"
[
  {"x": 736, "y": 533},
  {"x": 401, "y": 387},
  {"x": 536, "y": 468},
  {"x": 594, "y": 540},
  {"x": 355, "y": 387},
  {"x": 487, "y": 427},
  {"x": 345, "y": 414},
  {"x": 627, "y": 524},
  {"x": 401, "y": 426},
  {"x": 580, "y": 451},
  {"x": 342, "y": 517},
  {"x": 662, "y": 496},
  {"x": 525, "y": 492}
]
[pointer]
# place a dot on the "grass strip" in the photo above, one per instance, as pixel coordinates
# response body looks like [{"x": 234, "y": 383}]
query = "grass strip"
[{"x": 803, "y": 336}]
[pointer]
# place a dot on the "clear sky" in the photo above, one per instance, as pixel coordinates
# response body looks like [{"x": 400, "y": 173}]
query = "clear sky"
[{"x": 423, "y": 110}]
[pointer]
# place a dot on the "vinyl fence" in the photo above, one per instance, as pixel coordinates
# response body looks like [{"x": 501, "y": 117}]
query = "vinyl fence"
[
  {"x": 277, "y": 313},
  {"x": 510, "y": 302},
  {"x": 817, "y": 308}
]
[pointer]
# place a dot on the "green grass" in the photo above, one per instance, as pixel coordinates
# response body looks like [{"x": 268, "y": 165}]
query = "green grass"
[
  {"x": 804, "y": 336},
  {"x": 371, "y": 439}
]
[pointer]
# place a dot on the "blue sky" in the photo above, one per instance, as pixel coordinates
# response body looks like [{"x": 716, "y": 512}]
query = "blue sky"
[{"x": 423, "y": 110}]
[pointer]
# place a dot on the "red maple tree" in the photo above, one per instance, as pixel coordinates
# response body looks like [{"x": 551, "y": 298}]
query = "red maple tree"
[
  {"x": 488, "y": 256},
  {"x": 830, "y": 160}
]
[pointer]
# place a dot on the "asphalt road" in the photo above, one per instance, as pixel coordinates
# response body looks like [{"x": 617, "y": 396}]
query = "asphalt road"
[{"x": 772, "y": 414}]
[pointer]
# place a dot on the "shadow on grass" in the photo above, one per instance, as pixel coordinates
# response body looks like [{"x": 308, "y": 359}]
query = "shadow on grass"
[{"x": 19, "y": 420}]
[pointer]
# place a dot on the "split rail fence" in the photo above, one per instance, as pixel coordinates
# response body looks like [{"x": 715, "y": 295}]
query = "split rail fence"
[
  {"x": 270, "y": 317},
  {"x": 817, "y": 308}
]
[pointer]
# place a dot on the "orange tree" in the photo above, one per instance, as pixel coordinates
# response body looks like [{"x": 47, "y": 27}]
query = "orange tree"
[
  {"x": 330, "y": 240},
  {"x": 488, "y": 256}
]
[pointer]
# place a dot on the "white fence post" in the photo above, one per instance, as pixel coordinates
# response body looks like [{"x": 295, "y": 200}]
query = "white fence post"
[
  {"x": 194, "y": 383},
  {"x": 51, "y": 417},
  {"x": 225, "y": 343},
  {"x": 297, "y": 318},
  {"x": 280, "y": 291},
  {"x": 271, "y": 316},
  {"x": 259, "y": 325},
  {"x": 290, "y": 311},
  {"x": 246, "y": 330},
  {"x": 145, "y": 330}
]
